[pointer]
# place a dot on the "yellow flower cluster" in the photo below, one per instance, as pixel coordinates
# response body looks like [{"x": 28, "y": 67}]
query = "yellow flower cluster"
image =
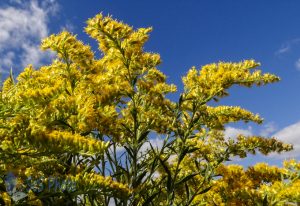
[
  {"x": 93, "y": 181},
  {"x": 105, "y": 29},
  {"x": 263, "y": 172},
  {"x": 221, "y": 115},
  {"x": 7, "y": 85},
  {"x": 213, "y": 79},
  {"x": 264, "y": 145},
  {"x": 258, "y": 184},
  {"x": 67, "y": 119},
  {"x": 58, "y": 140},
  {"x": 70, "y": 49},
  {"x": 6, "y": 198},
  {"x": 33, "y": 199}
]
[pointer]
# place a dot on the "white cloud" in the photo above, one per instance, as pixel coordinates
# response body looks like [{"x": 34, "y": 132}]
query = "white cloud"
[
  {"x": 51, "y": 6},
  {"x": 231, "y": 132},
  {"x": 7, "y": 59},
  {"x": 268, "y": 129},
  {"x": 22, "y": 26},
  {"x": 156, "y": 143},
  {"x": 291, "y": 135}
]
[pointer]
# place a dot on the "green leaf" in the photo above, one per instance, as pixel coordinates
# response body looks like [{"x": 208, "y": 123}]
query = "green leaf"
[
  {"x": 143, "y": 136},
  {"x": 205, "y": 190},
  {"x": 149, "y": 199},
  {"x": 128, "y": 151},
  {"x": 185, "y": 179},
  {"x": 265, "y": 201},
  {"x": 187, "y": 190},
  {"x": 169, "y": 179},
  {"x": 139, "y": 179}
]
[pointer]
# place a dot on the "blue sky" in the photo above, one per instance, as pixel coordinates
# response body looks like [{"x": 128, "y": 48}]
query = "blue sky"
[{"x": 186, "y": 33}]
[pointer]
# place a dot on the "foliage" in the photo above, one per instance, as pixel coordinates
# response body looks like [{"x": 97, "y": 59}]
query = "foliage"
[{"x": 92, "y": 120}]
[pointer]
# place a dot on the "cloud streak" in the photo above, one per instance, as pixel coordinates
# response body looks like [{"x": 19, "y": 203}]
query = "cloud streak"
[
  {"x": 287, "y": 46},
  {"x": 297, "y": 64}
]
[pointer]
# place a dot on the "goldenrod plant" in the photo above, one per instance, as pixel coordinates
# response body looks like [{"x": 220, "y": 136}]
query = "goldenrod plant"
[{"x": 79, "y": 131}]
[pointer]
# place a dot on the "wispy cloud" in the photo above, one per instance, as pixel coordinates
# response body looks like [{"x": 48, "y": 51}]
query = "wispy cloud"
[
  {"x": 297, "y": 64},
  {"x": 283, "y": 49},
  {"x": 268, "y": 129},
  {"x": 69, "y": 26},
  {"x": 287, "y": 46},
  {"x": 22, "y": 26}
]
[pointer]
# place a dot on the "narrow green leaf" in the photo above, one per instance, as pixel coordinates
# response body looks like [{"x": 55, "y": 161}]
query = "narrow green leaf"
[
  {"x": 149, "y": 200},
  {"x": 185, "y": 179},
  {"x": 169, "y": 180}
]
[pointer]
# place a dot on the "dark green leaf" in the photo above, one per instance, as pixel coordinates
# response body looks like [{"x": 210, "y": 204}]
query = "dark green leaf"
[
  {"x": 143, "y": 136},
  {"x": 205, "y": 190},
  {"x": 149, "y": 199},
  {"x": 186, "y": 178},
  {"x": 169, "y": 180},
  {"x": 265, "y": 201}
]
